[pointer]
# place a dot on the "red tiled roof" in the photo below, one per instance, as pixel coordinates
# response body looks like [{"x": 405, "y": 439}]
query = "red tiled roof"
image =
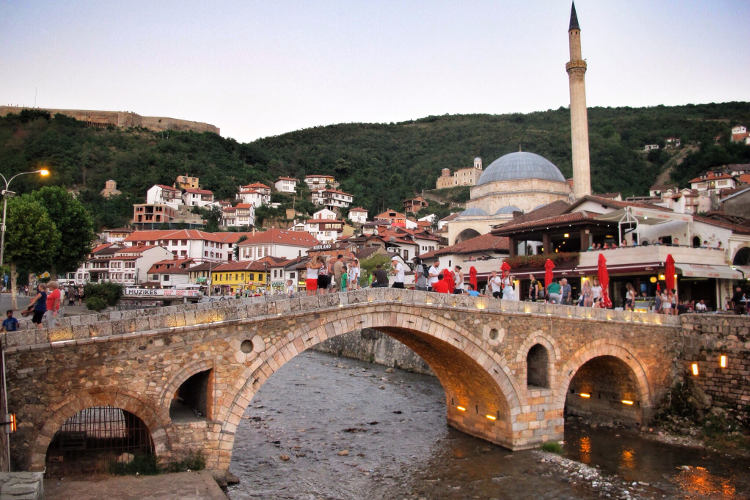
[
  {"x": 244, "y": 205},
  {"x": 286, "y": 179},
  {"x": 281, "y": 237},
  {"x": 385, "y": 215},
  {"x": 737, "y": 228},
  {"x": 318, "y": 175},
  {"x": 710, "y": 176},
  {"x": 317, "y": 221},
  {"x": 357, "y": 209},
  {"x": 199, "y": 191},
  {"x": 173, "y": 234},
  {"x": 171, "y": 266},
  {"x": 483, "y": 243},
  {"x": 255, "y": 185},
  {"x": 169, "y": 188},
  {"x": 547, "y": 221},
  {"x": 101, "y": 247}
]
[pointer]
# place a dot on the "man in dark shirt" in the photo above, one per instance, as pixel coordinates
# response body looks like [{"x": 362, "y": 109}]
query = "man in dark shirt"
[
  {"x": 381, "y": 278},
  {"x": 739, "y": 305},
  {"x": 10, "y": 324}
]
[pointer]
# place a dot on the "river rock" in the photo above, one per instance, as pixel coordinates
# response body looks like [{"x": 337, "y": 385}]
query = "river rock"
[
  {"x": 284, "y": 458},
  {"x": 125, "y": 458},
  {"x": 343, "y": 453}
]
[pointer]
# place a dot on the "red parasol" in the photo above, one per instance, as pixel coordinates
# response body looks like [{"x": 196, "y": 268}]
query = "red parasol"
[
  {"x": 604, "y": 280},
  {"x": 548, "y": 267},
  {"x": 505, "y": 269},
  {"x": 448, "y": 278},
  {"x": 669, "y": 272},
  {"x": 473, "y": 277}
]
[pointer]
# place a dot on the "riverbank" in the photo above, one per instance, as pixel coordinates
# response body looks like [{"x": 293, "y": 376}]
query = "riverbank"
[{"x": 199, "y": 485}]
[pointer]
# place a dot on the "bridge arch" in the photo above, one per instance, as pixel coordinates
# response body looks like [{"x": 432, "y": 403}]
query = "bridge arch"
[
  {"x": 75, "y": 403},
  {"x": 481, "y": 394},
  {"x": 603, "y": 348},
  {"x": 553, "y": 356}
]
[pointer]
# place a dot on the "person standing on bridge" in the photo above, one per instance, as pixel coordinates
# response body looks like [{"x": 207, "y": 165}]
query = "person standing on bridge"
[
  {"x": 311, "y": 276},
  {"x": 53, "y": 303},
  {"x": 339, "y": 269},
  {"x": 398, "y": 270},
  {"x": 434, "y": 273},
  {"x": 354, "y": 275},
  {"x": 458, "y": 280}
]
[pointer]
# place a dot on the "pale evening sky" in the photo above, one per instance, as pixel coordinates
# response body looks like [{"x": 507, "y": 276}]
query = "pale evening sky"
[{"x": 260, "y": 68}]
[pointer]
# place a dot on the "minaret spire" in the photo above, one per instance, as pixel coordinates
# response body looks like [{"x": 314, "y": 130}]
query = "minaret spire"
[
  {"x": 573, "y": 18},
  {"x": 579, "y": 127}
]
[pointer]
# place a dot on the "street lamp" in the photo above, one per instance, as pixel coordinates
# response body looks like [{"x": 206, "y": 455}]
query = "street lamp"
[{"x": 6, "y": 193}]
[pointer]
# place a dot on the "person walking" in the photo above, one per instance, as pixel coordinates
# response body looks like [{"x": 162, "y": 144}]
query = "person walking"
[
  {"x": 566, "y": 292},
  {"x": 38, "y": 305},
  {"x": 354, "y": 275},
  {"x": 496, "y": 284},
  {"x": 397, "y": 269},
  {"x": 587, "y": 294},
  {"x": 629, "y": 297},
  {"x": 339, "y": 267},
  {"x": 53, "y": 303},
  {"x": 420, "y": 278}
]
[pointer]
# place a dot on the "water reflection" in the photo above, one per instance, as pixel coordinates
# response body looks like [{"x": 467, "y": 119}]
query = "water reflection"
[
  {"x": 627, "y": 459},
  {"x": 698, "y": 482},
  {"x": 585, "y": 450}
]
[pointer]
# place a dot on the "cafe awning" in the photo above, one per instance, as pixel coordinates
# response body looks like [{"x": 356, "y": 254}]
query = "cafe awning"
[{"x": 708, "y": 271}]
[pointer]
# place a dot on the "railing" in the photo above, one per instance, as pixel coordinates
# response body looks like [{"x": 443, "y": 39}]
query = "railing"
[
  {"x": 95, "y": 327},
  {"x": 653, "y": 253}
]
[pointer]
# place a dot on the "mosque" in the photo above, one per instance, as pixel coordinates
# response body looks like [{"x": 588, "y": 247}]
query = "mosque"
[{"x": 523, "y": 181}]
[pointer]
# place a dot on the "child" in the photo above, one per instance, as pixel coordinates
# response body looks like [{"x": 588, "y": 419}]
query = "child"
[
  {"x": 10, "y": 324},
  {"x": 344, "y": 278},
  {"x": 290, "y": 288}
]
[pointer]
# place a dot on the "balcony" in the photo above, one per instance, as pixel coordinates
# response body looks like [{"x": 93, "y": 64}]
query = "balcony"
[{"x": 652, "y": 254}]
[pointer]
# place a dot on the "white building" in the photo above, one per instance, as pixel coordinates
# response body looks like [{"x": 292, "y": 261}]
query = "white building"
[
  {"x": 325, "y": 214},
  {"x": 286, "y": 184},
  {"x": 170, "y": 273},
  {"x": 713, "y": 182},
  {"x": 276, "y": 243},
  {"x": 189, "y": 243},
  {"x": 159, "y": 194},
  {"x": 358, "y": 215},
  {"x": 256, "y": 196},
  {"x": 242, "y": 215},
  {"x": 332, "y": 198},
  {"x": 318, "y": 182},
  {"x": 193, "y": 197},
  {"x": 129, "y": 266}
]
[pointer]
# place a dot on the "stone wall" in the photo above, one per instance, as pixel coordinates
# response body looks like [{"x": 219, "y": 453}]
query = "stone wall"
[
  {"x": 375, "y": 347},
  {"x": 707, "y": 337}
]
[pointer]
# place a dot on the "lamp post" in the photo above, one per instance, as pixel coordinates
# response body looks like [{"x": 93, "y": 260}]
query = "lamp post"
[{"x": 6, "y": 193}]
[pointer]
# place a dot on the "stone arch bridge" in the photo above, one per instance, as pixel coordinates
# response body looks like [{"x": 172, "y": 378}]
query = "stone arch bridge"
[{"x": 507, "y": 367}]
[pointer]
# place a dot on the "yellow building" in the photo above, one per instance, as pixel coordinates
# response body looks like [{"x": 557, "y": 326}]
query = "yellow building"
[{"x": 238, "y": 277}]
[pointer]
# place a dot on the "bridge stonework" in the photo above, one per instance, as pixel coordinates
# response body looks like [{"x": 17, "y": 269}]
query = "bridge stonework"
[{"x": 477, "y": 347}]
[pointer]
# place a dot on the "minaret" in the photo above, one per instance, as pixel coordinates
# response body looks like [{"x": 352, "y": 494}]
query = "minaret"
[{"x": 579, "y": 123}]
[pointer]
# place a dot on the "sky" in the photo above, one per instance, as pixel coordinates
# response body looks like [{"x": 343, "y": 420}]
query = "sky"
[{"x": 263, "y": 68}]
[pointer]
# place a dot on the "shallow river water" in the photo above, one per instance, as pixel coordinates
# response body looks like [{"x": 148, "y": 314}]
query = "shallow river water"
[{"x": 328, "y": 427}]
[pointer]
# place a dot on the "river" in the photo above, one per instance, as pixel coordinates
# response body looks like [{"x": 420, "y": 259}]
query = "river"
[{"x": 328, "y": 427}]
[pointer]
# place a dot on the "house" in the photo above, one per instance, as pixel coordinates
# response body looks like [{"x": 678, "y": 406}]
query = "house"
[
  {"x": 672, "y": 142},
  {"x": 95, "y": 268},
  {"x": 275, "y": 242},
  {"x": 194, "y": 197},
  {"x": 254, "y": 197},
  {"x": 198, "y": 245},
  {"x": 331, "y": 198},
  {"x": 116, "y": 235},
  {"x": 739, "y": 133},
  {"x": 485, "y": 252},
  {"x": 159, "y": 194},
  {"x": 240, "y": 276},
  {"x": 736, "y": 201},
  {"x": 187, "y": 182},
  {"x": 170, "y": 273},
  {"x": 145, "y": 214},
  {"x": 392, "y": 217},
  {"x": 414, "y": 205},
  {"x": 242, "y": 215},
  {"x": 358, "y": 215},
  {"x": 286, "y": 184},
  {"x": 129, "y": 265},
  {"x": 318, "y": 182},
  {"x": 324, "y": 230},
  {"x": 713, "y": 182},
  {"x": 650, "y": 147}
]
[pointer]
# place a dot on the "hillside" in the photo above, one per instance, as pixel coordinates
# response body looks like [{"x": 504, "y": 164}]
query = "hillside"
[{"x": 380, "y": 164}]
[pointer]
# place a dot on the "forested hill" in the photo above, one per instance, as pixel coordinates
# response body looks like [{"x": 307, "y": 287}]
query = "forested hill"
[{"x": 380, "y": 164}]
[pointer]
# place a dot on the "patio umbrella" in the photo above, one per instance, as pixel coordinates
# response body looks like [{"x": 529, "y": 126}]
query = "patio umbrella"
[
  {"x": 473, "y": 277},
  {"x": 669, "y": 272},
  {"x": 603, "y": 275},
  {"x": 448, "y": 278},
  {"x": 505, "y": 269},
  {"x": 548, "y": 267}
]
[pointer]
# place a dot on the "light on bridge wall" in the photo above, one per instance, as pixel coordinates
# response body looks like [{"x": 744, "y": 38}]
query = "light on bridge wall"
[
  {"x": 585, "y": 395},
  {"x": 627, "y": 402},
  {"x": 723, "y": 361},
  {"x": 460, "y": 408},
  {"x": 694, "y": 369},
  {"x": 491, "y": 417}
]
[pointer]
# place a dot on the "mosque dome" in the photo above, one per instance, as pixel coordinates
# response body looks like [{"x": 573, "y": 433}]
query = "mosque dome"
[
  {"x": 520, "y": 165},
  {"x": 508, "y": 210},
  {"x": 473, "y": 211}
]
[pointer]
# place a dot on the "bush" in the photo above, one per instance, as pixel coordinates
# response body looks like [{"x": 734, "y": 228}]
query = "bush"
[
  {"x": 194, "y": 461},
  {"x": 552, "y": 447},
  {"x": 95, "y": 304},
  {"x": 141, "y": 464},
  {"x": 110, "y": 293}
]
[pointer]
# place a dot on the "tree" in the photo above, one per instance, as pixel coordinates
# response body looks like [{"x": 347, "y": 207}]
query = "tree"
[
  {"x": 74, "y": 224},
  {"x": 31, "y": 239}
]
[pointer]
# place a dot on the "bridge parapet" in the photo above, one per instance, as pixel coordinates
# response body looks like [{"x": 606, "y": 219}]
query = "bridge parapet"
[{"x": 116, "y": 324}]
